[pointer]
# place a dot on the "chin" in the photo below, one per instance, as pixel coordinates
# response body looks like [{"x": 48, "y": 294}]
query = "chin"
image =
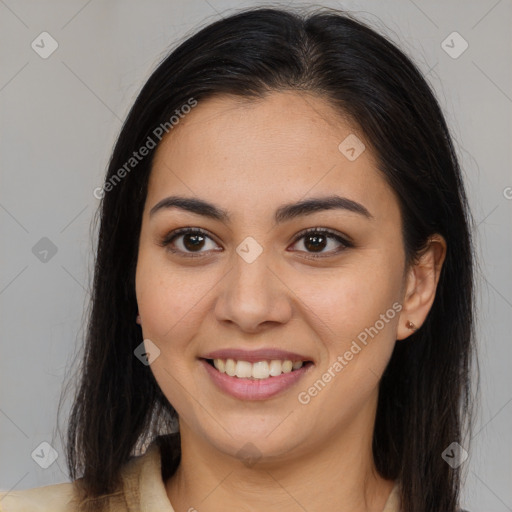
[{"x": 259, "y": 443}]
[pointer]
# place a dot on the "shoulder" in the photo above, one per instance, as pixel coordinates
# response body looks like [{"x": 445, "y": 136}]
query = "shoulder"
[
  {"x": 54, "y": 498},
  {"x": 393, "y": 504},
  {"x": 393, "y": 501},
  {"x": 142, "y": 486},
  {"x": 63, "y": 497}
]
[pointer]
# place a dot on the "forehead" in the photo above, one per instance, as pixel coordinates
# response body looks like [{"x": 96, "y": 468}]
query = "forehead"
[{"x": 253, "y": 152}]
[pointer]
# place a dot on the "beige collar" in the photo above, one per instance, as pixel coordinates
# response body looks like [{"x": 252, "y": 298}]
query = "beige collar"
[{"x": 145, "y": 489}]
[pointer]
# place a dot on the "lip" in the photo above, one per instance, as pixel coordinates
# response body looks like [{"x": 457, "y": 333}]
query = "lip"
[
  {"x": 253, "y": 356},
  {"x": 254, "y": 389}
]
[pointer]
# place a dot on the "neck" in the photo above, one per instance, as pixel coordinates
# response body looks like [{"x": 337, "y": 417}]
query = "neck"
[{"x": 339, "y": 474}]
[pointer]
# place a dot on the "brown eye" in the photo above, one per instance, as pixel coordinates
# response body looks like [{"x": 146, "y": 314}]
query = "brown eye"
[
  {"x": 315, "y": 242},
  {"x": 187, "y": 241},
  {"x": 317, "y": 239},
  {"x": 193, "y": 241}
]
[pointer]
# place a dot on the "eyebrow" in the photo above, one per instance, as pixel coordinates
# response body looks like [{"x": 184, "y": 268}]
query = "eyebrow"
[{"x": 284, "y": 213}]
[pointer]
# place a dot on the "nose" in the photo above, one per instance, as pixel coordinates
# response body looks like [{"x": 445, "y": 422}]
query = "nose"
[{"x": 253, "y": 296}]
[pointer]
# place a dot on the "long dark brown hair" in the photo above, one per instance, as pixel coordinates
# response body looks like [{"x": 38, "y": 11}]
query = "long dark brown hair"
[{"x": 425, "y": 395}]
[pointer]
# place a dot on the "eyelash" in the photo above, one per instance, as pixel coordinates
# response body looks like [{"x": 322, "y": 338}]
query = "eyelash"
[{"x": 170, "y": 237}]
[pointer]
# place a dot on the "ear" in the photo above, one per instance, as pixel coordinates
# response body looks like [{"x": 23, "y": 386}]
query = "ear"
[{"x": 421, "y": 285}]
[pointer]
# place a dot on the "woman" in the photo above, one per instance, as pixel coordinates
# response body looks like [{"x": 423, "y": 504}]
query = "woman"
[{"x": 282, "y": 316}]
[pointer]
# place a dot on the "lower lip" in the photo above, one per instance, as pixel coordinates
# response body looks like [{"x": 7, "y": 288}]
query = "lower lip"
[{"x": 254, "y": 389}]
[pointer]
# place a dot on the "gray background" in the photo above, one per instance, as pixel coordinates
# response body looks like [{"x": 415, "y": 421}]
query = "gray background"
[{"x": 60, "y": 117}]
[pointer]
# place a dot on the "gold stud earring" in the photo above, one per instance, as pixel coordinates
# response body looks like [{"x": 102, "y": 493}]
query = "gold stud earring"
[{"x": 411, "y": 326}]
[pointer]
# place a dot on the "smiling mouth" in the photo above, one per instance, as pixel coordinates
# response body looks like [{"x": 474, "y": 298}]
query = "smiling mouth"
[{"x": 260, "y": 370}]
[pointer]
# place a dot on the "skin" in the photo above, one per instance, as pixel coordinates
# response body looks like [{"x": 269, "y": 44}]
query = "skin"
[{"x": 250, "y": 157}]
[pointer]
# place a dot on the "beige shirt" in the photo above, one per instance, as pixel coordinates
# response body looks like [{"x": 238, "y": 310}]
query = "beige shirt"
[{"x": 143, "y": 491}]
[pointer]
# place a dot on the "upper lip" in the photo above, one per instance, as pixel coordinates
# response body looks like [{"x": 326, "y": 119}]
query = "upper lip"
[{"x": 253, "y": 356}]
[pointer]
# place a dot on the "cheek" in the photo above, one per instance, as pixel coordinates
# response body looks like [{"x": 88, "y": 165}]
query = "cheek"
[
  {"x": 345, "y": 303},
  {"x": 168, "y": 300}
]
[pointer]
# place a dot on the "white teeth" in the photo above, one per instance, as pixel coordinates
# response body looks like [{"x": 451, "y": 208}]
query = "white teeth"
[
  {"x": 275, "y": 368},
  {"x": 220, "y": 365},
  {"x": 287, "y": 366},
  {"x": 258, "y": 370},
  {"x": 230, "y": 367},
  {"x": 243, "y": 370}
]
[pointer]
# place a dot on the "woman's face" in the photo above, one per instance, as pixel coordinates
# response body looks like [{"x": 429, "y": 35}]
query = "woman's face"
[{"x": 250, "y": 284}]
